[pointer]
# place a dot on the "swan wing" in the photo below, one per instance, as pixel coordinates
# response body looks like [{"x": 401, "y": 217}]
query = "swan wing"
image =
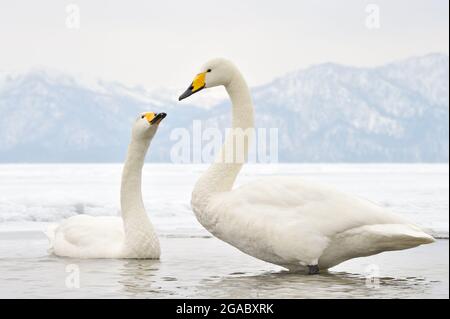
[
  {"x": 293, "y": 200},
  {"x": 290, "y": 218},
  {"x": 86, "y": 236}
]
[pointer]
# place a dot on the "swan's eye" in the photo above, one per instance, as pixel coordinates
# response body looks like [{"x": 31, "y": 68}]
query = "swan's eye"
[
  {"x": 142, "y": 116},
  {"x": 209, "y": 70}
]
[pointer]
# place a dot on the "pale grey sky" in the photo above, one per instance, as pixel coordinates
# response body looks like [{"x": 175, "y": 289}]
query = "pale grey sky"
[{"x": 161, "y": 43}]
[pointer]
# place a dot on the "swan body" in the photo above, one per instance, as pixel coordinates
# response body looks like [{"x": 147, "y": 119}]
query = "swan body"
[
  {"x": 129, "y": 236},
  {"x": 287, "y": 221},
  {"x": 294, "y": 223}
]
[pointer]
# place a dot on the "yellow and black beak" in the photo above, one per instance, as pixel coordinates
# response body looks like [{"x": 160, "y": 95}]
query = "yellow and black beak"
[
  {"x": 197, "y": 85},
  {"x": 154, "y": 118}
]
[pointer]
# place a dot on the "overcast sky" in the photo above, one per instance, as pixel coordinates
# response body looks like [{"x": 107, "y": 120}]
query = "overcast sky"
[{"x": 161, "y": 43}]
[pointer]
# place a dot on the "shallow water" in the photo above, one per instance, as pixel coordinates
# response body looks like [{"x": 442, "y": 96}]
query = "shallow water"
[{"x": 219, "y": 271}]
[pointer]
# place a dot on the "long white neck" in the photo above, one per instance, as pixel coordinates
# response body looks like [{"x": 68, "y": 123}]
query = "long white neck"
[
  {"x": 136, "y": 222},
  {"x": 222, "y": 174}
]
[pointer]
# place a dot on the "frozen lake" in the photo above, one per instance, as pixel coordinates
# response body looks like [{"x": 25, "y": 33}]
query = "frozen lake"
[{"x": 32, "y": 196}]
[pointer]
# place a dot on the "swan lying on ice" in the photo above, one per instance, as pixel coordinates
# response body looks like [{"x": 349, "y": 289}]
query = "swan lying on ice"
[
  {"x": 282, "y": 220},
  {"x": 131, "y": 236}
]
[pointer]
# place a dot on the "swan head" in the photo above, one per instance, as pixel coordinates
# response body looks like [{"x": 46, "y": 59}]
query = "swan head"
[
  {"x": 146, "y": 125},
  {"x": 213, "y": 73}
]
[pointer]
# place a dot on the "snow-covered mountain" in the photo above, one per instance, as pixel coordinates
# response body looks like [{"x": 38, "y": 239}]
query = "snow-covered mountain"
[{"x": 398, "y": 112}]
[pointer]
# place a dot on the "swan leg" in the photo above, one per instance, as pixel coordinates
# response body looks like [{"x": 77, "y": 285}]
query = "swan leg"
[{"x": 313, "y": 269}]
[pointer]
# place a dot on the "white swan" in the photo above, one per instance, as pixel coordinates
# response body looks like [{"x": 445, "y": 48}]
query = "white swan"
[
  {"x": 131, "y": 236},
  {"x": 282, "y": 220}
]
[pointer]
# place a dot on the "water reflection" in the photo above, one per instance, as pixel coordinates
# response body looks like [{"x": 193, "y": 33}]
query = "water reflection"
[
  {"x": 136, "y": 277},
  {"x": 327, "y": 285},
  {"x": 184, "y": 273}
]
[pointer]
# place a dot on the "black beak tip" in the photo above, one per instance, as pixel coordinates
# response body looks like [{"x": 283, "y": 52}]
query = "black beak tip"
[
  {"x": 186, "y": 93},
  {"x": 158, "y": 118}
]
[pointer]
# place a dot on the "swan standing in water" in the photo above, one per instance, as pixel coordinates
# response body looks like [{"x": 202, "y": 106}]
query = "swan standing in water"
[
  {"x": 131, "y": 236},
  {"x": 286, "y": 220}
]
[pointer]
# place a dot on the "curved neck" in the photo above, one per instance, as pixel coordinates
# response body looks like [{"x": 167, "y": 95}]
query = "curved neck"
[
  {"x": 132, "y": 206},
  {"x": 222, "y": 174}
]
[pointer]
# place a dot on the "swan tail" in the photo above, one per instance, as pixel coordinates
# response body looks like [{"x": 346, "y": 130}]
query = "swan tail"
[
  {"x": 408, "y": 235},
  {"x": 50, "y": 232},
  {"x": 384, "y": 237},
  {"x": 371, "y": 240}
]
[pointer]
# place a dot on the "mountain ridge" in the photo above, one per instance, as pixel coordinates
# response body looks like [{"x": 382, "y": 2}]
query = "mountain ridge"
[{"x": 397, "y": 112}]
